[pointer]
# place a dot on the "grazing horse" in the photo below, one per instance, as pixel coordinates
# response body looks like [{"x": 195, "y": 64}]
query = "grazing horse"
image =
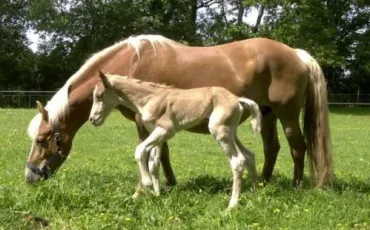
[
  {"x": 164, "y": 111},
  {"x": 282, "y": 80}
]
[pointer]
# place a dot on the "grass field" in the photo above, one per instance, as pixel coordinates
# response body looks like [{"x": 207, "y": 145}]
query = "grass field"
[{"x": 93, "y": 188}]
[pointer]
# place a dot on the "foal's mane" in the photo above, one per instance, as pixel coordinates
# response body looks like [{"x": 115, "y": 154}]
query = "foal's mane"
[
  {"x": 58, "y": 106},
  {"x": 141, "y": 82}
]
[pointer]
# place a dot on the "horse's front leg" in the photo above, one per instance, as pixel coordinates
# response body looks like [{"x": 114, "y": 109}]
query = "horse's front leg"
[{"x": 164, "y": 155}]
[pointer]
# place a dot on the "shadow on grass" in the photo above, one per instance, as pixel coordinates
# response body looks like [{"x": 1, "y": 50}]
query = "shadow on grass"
[
  {"x": 278, "y": 184},
  {"x": 356, "y": 111},
  {"x": 214, "y": 185},
  {"x": 354, "y": 185}
]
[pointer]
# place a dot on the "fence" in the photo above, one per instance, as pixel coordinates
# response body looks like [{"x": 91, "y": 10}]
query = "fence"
[
  {"x": 26, "y": 99},
  {"x": 23, "y": 99}
]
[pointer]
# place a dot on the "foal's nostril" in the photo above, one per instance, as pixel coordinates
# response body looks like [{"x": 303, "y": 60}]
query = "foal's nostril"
[{"x": 90, "y": 119}]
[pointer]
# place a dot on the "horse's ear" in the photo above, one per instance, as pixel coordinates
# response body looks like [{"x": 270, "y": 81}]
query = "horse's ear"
[
  {"x": 43, "y": 111},
  {"x": 69, "y": 90},
  {"x": 104, "y": 80}
]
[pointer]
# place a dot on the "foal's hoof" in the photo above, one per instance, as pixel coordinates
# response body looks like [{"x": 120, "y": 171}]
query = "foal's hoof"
[
  {"x": 135, "y": 196},
  {"x": 156, "y": 194}
]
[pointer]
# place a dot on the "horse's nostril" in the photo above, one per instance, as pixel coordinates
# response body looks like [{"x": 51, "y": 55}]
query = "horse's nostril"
[{"x": 90, "y": 119}]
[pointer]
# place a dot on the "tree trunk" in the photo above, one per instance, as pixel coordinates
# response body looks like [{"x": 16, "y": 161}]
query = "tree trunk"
[
  {"x": 259, "y": 18},
  {"x": 193, "y": 23},
  {"x": 240, "y": 12}
]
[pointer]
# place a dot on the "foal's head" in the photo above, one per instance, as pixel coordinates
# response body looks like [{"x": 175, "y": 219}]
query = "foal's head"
[{"x": 104, "y": 100}]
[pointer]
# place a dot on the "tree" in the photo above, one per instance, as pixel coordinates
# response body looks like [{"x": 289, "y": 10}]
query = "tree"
[{"x": 16, "y": 59}]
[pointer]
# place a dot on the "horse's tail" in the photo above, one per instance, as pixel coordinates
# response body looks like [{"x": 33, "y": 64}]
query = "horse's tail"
[
  {"x": 255, "y": 112},
  {"x": 316, "y": 123}
]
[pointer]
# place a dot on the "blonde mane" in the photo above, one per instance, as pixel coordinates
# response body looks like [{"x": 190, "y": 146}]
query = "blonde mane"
[{"x": 58, "y": 106}]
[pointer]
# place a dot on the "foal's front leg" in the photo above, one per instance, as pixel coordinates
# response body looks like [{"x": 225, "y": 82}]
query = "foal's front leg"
[
  {"x": 158, "y": 136},
  {"x": 154, "y": 164}
]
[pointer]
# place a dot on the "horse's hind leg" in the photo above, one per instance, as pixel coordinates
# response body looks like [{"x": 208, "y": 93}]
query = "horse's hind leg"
[
  {"x": 165, "y": 158},
  {"x": 271, "y": 145},
  {"x": 297, "y": 145}
]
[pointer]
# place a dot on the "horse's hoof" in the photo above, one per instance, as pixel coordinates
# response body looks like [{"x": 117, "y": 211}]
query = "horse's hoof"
[{"x": 171, "y": 181}]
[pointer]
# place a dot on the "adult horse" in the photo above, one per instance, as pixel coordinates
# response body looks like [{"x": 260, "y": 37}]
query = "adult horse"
[{"x": 282, "y": 80}]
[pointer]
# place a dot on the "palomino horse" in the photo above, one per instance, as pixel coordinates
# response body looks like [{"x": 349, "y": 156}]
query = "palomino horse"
[
  {"x": 280, "y": 79},
  {"x": 164, "y": 111}
]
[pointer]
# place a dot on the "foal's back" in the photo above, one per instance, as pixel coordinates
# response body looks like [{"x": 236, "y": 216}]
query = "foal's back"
[{"x": 190, "y": 107}]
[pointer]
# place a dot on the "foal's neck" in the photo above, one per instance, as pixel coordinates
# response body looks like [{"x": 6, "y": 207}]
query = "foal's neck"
[{"x": 135, "y": 94}]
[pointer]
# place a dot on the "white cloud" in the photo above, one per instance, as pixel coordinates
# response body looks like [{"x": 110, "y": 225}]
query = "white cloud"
[{"x": 34, "y": 39}]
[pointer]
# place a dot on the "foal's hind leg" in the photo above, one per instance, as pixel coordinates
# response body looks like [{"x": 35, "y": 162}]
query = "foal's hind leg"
[
  {"x": 250, "y": 161},
  {"x": 224, "y": 136}
]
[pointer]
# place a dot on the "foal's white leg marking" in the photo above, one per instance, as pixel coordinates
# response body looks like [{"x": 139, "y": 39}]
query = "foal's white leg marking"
[
  {"x": 154, "y": 164},
  {"x": 225, "y": 137},
  {"x": 250, "y": 160},
  {"x": 142, "y": 150},
  {"x": 139, "y": 188}
]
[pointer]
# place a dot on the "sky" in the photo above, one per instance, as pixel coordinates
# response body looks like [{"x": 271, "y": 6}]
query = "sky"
[{"x": 34, "y": 38}]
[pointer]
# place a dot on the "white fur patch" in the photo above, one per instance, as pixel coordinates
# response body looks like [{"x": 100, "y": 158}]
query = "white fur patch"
[
  {"x": 304, "y": 56},
  {"x": 33, "y": 126}
]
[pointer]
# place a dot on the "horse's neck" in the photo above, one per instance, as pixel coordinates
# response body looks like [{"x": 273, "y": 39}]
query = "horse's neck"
[{"x": 135, "y": 95}]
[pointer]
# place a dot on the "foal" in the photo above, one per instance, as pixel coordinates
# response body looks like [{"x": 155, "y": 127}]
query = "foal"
[{"x": 165, "y": 111}]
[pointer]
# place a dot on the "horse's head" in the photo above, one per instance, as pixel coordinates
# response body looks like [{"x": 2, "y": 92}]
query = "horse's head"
[
  {"x": 104, "y": 100},
  {"x": 46, "y": 154}
]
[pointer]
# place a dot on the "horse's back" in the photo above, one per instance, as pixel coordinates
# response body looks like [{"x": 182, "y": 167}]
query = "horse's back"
[{"x": 264, "y": 70}]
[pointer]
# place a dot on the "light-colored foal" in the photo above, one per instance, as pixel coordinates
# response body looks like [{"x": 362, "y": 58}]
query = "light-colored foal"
[{"x": 165, "y": 111}]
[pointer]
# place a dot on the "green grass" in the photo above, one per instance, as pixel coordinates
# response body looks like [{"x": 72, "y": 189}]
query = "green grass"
[{"x": 93, "y": 188}]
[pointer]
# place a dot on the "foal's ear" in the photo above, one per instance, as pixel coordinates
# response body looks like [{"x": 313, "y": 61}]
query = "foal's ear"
[
  {"x": 105, "y": 80},
  {"x": 43, "y": 111}
]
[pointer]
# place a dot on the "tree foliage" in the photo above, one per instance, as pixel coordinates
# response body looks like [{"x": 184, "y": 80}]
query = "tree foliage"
[{"x": 334, "y": 32}]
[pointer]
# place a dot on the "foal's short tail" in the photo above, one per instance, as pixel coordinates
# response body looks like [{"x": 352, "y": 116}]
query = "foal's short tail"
[
  {"x": 255, "y": 112},
  {"x": 316, "y": 123}
]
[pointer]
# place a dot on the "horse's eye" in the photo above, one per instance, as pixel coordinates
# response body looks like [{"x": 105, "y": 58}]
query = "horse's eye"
[
  {"x": 99, "y": 95},
  {"x": 40, "y": 143}
]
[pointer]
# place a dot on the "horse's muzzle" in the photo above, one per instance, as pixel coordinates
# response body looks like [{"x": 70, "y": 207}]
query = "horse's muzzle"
[{"x": 32, "y": 177}]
